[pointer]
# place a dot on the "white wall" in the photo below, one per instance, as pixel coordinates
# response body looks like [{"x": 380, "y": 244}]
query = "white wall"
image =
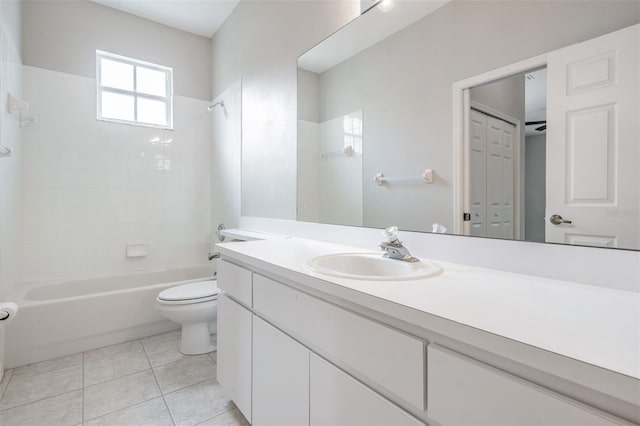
[
  {"x": 506, "y": 96},
  {"x": 90, "y": 186},
  {"x": 64, "y": 35},
  {"x": 260, "y": 42},
  {"x": 11, "y": 167},
  {"x": 226, "y": 151}
]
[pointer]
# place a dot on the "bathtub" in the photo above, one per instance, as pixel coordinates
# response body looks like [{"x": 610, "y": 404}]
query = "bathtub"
[{"x": 63, "y": 318}]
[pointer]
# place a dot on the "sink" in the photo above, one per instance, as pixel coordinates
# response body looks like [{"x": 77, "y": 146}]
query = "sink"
[{"x": 371, "y": 266}]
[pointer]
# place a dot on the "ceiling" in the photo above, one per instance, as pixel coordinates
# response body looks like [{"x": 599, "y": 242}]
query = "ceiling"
[
  {"x": 372, "y": 27},
  {"x": 202, "y": 17}
]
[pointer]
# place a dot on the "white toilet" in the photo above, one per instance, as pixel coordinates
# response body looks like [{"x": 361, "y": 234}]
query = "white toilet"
[{"x": 194, "y": 306}]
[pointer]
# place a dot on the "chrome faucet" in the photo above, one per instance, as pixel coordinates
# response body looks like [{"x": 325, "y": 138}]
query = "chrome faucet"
[{"x": 393, "y": 247}]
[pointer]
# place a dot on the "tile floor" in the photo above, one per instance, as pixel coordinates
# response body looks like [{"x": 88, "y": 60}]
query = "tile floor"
[{"x": 141, "y": 382}]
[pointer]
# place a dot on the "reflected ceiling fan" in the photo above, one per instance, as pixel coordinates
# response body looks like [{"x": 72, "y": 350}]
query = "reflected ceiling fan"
[{"x": 535, "y": 123}]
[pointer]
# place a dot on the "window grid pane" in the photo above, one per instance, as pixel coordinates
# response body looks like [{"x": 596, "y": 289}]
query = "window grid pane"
[
  {"x": 136, "y": 92},
  {"x": 116, "y": 74},
  {"x": 151, "y": 82}
]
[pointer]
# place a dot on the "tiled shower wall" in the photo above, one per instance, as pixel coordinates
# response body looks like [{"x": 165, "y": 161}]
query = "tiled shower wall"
[
  {"x": 10, "y": 167},
  {"x": 91, "y": 187}
]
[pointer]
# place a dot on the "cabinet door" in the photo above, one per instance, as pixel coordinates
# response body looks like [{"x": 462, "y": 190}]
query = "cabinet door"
[
  {"x": 338, "y": 399},
  {"x": 463, "y": 391},
  {"x": 385, "y": 356},
  {"x": 280, "y": 378},
  {"x": 234, "y": 353}
]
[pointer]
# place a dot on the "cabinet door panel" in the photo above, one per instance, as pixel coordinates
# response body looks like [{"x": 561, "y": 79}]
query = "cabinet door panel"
[
  {"x": 280, "y": 378},
  {"x": 391, "y": 359},
  {"x": 234, "y": 352},
  {"x": 465, "y": 391},
  {"x": 338, "y": 399}
]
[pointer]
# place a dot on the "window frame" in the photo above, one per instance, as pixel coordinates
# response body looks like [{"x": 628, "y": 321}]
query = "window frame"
[{"x": 168, "y": 99}]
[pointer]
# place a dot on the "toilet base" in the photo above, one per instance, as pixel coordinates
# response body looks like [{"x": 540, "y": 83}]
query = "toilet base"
[{"x": 195, "y": 339}]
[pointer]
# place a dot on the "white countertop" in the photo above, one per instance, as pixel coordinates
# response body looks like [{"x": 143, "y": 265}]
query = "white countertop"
[{"x": 596, "y": 325}]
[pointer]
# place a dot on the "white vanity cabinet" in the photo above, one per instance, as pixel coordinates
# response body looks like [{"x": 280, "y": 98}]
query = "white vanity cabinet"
[
  {"x": 294, "y": 358},
  {"x": 280, "y": 378},
  {"x": 235, "y": 334}
]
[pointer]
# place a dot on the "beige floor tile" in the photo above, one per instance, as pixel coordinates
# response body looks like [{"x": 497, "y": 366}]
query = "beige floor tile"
[
  {"x": 150, "y": 413},
  {"x": 60, "y": 410},
  {"x": 47, "y": 366},
  {"x": 185, "y": 372},
  {"x": 33, "y": 388},
  {"x": 197, "y": 403},
  {"x": 117, "y": 394},
  {"x": 230, "y": 418},
  {"x": 163, "y": 348},
  {"x": 115, "y": 361}
]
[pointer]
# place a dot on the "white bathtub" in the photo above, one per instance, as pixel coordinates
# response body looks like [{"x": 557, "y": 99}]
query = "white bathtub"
[{"x": 63, "y": 318}]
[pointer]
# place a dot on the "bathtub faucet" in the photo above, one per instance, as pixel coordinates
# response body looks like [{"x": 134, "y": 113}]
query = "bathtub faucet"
[{"x": 213, "y": 255}]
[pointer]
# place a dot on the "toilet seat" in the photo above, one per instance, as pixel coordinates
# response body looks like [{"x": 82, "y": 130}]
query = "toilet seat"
[{"x": 186, "y": 294}]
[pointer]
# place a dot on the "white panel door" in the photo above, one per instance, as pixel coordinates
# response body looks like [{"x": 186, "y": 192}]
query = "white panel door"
[
  {"x": 478, "y": 172},
  {"x": 491, "y": 175},
  {"x": 280, "y": 378},
  {"x": 337, "y": 399},
  {"x": 593, "y": 141},
  {"x": 234, "y": 353}
]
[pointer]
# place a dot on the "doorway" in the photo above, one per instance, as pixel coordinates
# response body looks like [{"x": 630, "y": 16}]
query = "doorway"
[{"x": 505, "y": 196}]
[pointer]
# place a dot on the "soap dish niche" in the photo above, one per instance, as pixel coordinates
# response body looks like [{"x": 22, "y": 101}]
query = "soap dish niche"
[{"x": 137, "y": 249}]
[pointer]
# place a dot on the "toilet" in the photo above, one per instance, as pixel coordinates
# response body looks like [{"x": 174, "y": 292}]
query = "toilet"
[{"x": 194, "y": 306}]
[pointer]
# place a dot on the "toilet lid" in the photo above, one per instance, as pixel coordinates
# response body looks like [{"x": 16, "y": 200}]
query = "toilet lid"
[{"x": 191, "y": 291}]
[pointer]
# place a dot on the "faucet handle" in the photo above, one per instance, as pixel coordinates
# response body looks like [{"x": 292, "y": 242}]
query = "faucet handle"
[{"x": 390, "y": 235}]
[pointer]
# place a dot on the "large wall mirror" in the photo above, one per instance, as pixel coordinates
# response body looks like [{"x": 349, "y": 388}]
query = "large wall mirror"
[{"x": 504, "y": 119}]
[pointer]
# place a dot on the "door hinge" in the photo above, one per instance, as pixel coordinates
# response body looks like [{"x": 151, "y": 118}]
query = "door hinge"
[{"x": 466, "y": 217}]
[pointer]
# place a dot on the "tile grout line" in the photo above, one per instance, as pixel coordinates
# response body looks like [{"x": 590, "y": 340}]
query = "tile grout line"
[
  {"x": 158, "y": 384},
  {"x": 39, "y": 400},
  {"x": 217, "y": 415},
  {"x": 121, "y": 409},
  {"x": 82, "y": 390},
  {"x": 188, "y": 386},
  {"x": 118, "y": 378},
  {"x": 8, "y": 382},
  {"x": 44, "y": 372}
]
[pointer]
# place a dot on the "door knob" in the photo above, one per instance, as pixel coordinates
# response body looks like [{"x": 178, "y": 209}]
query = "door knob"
[{"x": 556, "y": 219}]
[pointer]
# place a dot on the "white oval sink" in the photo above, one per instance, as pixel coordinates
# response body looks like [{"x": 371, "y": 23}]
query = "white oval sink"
[{"x": 371, "y": 266}]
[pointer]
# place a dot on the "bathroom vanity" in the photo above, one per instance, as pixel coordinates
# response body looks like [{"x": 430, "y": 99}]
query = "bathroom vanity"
[{"x": 467, "y": 346}]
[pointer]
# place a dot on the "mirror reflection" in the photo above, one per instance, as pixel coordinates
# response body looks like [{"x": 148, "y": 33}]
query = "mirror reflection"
[{"x": 513, "y": 120}]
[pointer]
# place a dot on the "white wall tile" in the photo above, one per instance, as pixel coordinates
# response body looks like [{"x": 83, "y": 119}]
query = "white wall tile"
[{"x": 91, "y": 186}]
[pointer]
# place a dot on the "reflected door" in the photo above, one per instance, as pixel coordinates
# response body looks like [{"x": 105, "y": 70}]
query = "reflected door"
[
  {"x": 491, "y": 175},
  {"x": 593, "y": 142}
]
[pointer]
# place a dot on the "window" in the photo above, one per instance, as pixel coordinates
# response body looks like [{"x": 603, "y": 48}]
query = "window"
[
  {"x": 134, "y": 92},
  {"x": 352, "y": 127}
]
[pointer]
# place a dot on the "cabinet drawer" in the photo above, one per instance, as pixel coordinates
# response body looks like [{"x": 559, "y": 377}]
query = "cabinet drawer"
[
  {"x": 391, "y": 359},
  {"x": 337, "y": 399},
  {"x": 466, "y": 391},
  {"x": 235, "y": 282}
]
